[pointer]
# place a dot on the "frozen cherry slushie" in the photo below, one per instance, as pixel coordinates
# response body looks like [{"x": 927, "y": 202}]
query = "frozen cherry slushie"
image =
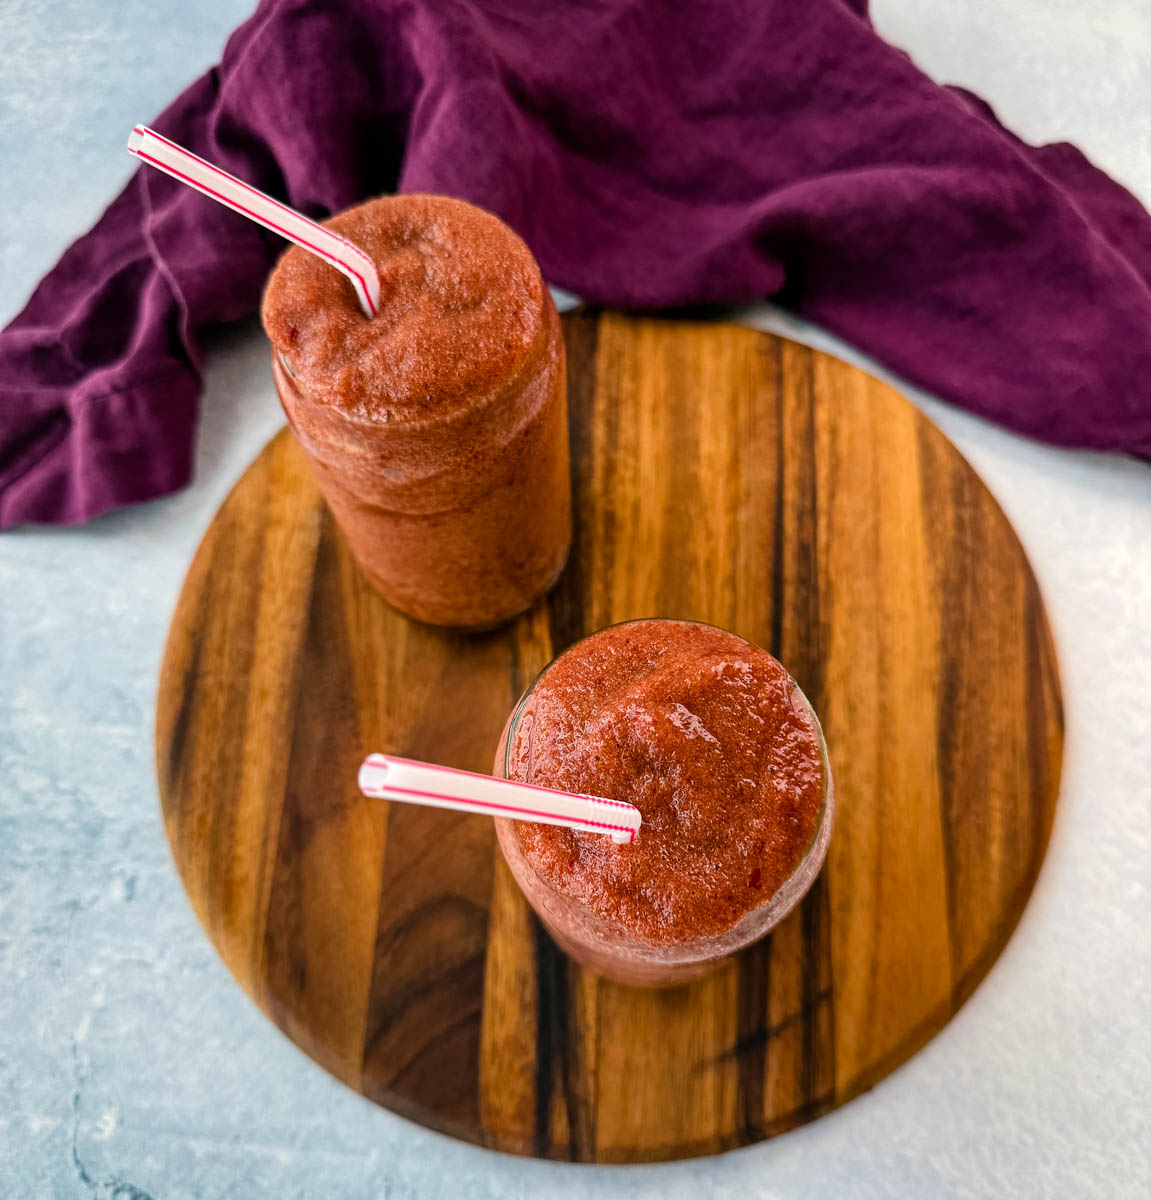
[
  {"x": 712, "y": 740},
  {"x": 437, "y": 429}
]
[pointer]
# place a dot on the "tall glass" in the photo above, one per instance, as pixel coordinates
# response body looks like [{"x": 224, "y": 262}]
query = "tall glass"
[
  {"x": 437, "y": 431},
  {"x": 610, "y": 949}
]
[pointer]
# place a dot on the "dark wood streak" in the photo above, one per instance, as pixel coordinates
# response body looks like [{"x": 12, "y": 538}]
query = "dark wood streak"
[
  {"x": 234, "y": 557},
  {"x": 751, "y": 1049},
  {"x": 392, "y": 945},
  {"x": 767, "y": 1033},
  {"x": 956, "y": 613},
  {"x": 777, "y": 530},
  {"x": 552, "y": 1035},
  {"x": 803, "y": 652},
  {"x": 178, "y": 747},
  {"x": 395, "y": 939},
  {"x": 817, "y": 685},
  {"x": 400, "y": 1075},
  {"x": 813, "y": 668},
  {"x": 815, "y": 951},
  {"x": 422, "y": 993},
  {"x": 297, "y": 951}
]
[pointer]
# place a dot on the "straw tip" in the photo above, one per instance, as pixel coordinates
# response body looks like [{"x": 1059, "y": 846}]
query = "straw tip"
[
  {"x": 136, "y": 138},
  {"x": 373, "y": 772}
]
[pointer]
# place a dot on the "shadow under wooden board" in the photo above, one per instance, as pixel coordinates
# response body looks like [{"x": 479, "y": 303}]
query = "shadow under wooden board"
[{"x": 723, "y": 475}]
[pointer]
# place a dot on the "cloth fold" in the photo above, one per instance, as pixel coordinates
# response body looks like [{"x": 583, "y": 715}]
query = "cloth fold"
[{"x": 652, "y": 155}]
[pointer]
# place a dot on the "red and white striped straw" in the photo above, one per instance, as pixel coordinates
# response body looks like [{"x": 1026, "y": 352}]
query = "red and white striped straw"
[
  {"x": 189, "y": 168},
  {"x": 392, "y": 778}
]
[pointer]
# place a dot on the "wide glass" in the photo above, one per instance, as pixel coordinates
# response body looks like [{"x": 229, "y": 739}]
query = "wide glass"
[
  {"x": 454, "y": 498},
  {"x": 615, "y": 952}
]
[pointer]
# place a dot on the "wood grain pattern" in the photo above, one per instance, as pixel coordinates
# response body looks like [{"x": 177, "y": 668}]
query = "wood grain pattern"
[{"x": 722, "y": 475}]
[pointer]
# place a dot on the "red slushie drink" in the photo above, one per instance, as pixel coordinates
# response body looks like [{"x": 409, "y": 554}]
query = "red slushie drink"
[
  {"x": 438, "y": 429},
  {"x": 712, "y": 740}
]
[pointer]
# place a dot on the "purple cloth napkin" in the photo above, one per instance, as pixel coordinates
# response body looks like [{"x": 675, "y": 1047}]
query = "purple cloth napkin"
[{"x": 651, "y": 154}]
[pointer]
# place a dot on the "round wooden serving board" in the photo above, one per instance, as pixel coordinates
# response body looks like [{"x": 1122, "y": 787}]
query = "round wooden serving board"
[{"x": 720, "y": 474}]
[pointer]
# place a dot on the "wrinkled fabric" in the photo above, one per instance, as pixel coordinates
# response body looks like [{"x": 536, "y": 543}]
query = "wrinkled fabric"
[{"x": 652, "y": 155}]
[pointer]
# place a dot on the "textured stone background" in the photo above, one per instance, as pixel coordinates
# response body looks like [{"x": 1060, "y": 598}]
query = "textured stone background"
[{"x": 130, "y": 1064}]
